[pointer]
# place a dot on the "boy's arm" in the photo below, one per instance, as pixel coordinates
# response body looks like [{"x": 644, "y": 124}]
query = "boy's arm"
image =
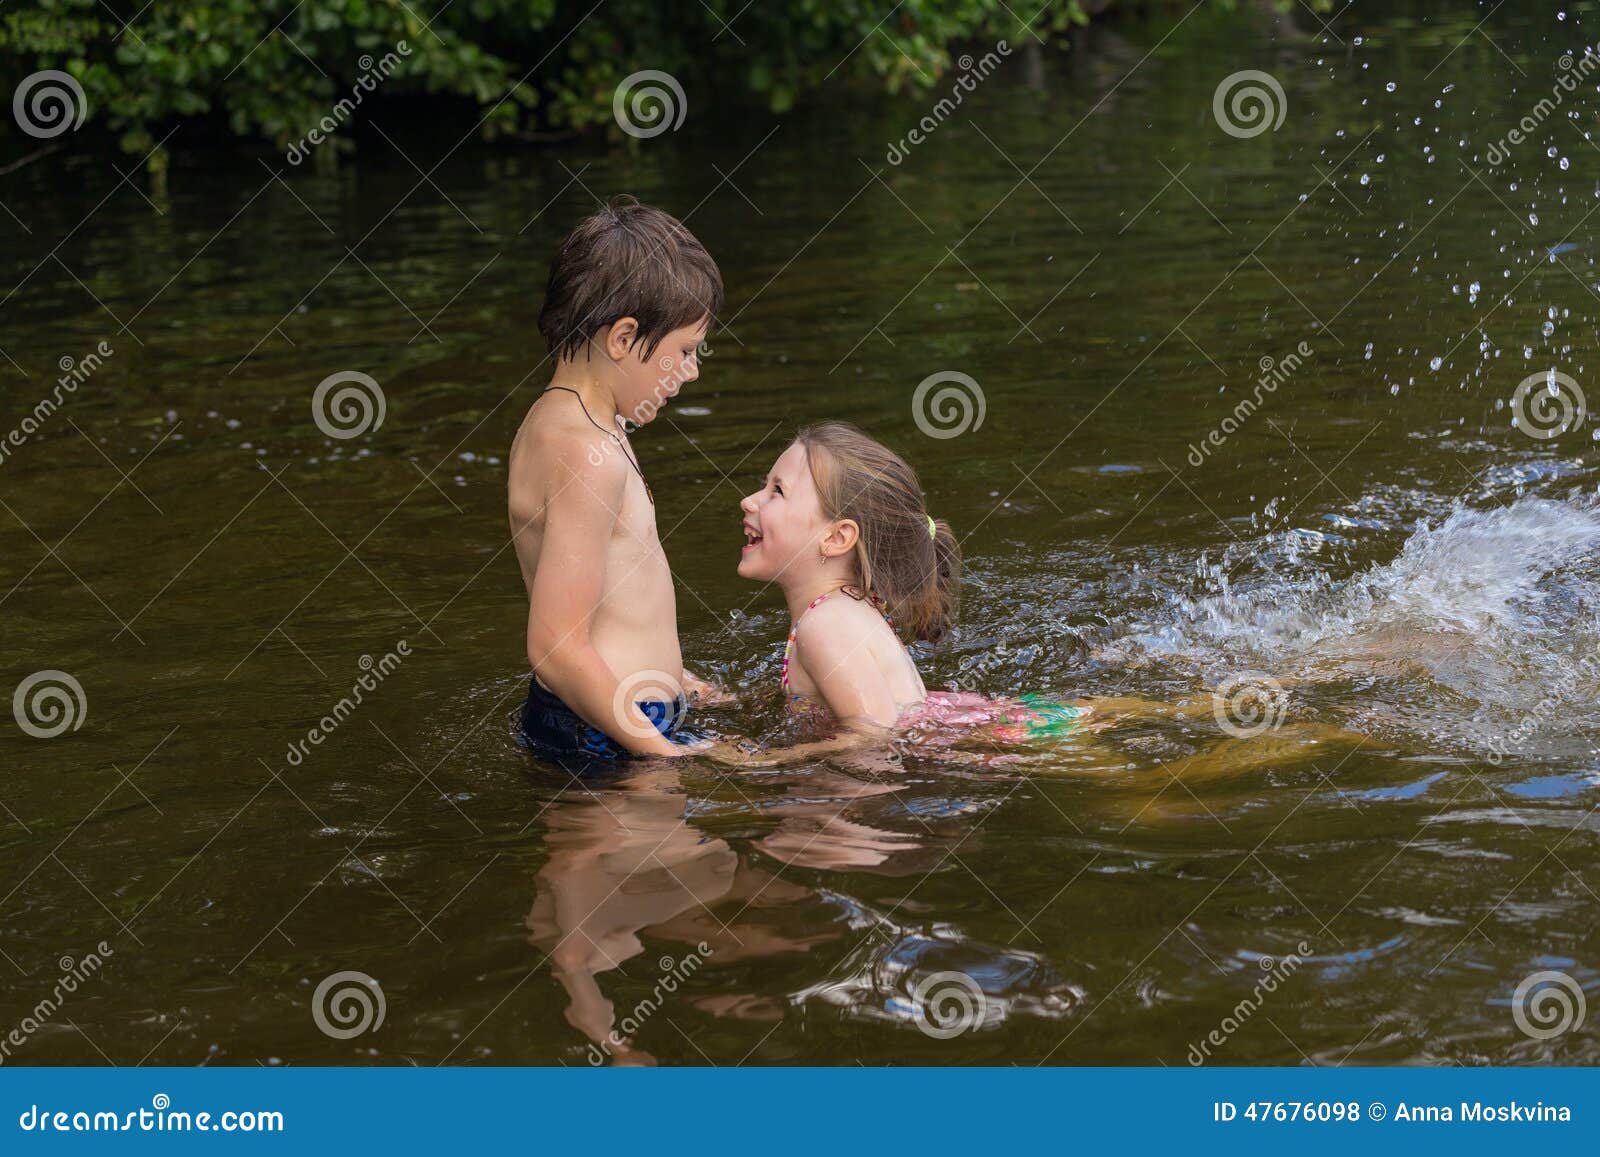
[{"x": 567, "y": 588}]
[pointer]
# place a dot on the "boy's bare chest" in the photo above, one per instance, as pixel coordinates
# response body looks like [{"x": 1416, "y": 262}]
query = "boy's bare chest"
[{"x": 634, "y": 538}]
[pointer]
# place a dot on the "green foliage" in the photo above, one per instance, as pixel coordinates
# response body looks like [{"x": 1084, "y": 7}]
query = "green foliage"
[{"x": 272, "y": 69}]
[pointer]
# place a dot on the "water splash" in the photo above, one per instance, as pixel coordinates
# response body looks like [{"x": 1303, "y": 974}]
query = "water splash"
[{"x": 1482, "y": 622}]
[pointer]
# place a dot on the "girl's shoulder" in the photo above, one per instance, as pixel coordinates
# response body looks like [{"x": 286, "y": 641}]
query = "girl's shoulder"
[{"x": 838, "y": 617}]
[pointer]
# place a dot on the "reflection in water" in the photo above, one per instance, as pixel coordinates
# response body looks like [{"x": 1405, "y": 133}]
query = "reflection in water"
[{"x": 625, "y": 861}]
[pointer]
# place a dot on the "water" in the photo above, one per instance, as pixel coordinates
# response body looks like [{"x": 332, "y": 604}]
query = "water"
[{"x": 1407, "y": 577}]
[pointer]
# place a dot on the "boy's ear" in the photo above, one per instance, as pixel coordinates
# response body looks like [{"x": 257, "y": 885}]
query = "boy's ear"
[
  {"x": 620, "y": 337},
  {"x": 842, "y": 538}
]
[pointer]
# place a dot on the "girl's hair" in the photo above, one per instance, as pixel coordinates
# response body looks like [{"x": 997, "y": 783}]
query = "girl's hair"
[{"x": 917, "y": 575}]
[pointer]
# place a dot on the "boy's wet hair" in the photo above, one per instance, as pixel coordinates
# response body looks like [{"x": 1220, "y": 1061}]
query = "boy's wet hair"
[
  {"x": 917, "y": 575},
  {"x": 627, "y": 260}
]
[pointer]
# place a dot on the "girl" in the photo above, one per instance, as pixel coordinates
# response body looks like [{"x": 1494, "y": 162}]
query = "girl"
[{"x": 840, "y": 526}]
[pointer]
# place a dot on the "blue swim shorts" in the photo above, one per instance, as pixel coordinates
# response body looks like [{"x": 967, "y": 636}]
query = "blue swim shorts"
[{"x": 550, "y": 728}]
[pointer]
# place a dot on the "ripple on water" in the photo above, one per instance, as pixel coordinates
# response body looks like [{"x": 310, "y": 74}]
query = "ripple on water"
[{"x": 923, "y": 978}]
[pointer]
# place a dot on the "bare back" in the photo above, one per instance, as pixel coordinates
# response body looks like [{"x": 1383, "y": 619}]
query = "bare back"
[{"x": 571, "y": 485}]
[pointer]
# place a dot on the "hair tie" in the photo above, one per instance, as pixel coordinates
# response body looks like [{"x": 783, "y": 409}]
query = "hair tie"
[{"x": 933, "y": 531}]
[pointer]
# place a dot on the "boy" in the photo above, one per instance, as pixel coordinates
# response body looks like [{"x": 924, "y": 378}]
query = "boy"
[{"x": 631, "y": 296}]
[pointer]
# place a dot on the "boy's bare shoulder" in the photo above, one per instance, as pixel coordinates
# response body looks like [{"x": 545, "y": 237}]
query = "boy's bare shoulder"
[{"x": 554, "y": 446}]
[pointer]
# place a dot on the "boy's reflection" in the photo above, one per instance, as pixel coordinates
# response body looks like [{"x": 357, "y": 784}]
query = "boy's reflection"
[{"x": 624, "y": 861}]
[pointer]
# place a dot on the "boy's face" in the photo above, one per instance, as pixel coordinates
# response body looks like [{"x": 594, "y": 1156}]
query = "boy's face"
[
  {"x": 647, "y": 382},
  {"x": 783, "y": 521}
]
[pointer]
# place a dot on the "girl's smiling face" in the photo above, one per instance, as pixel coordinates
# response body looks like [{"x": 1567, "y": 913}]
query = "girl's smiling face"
[{"x": 783, "y": 521}]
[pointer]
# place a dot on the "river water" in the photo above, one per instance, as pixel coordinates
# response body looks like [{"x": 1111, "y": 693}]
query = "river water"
[{"x": 1355, "y": 853}]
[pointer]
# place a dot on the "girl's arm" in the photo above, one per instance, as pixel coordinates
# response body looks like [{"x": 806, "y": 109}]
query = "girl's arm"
[{"x": 854, "y": 735}]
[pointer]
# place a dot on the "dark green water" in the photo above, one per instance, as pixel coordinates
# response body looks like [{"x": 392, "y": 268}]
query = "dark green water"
[{"x": 211, "y": 568}]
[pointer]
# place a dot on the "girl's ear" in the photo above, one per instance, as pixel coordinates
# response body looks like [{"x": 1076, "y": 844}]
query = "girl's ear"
[
  {"x": 842, "y": 538},
  {"x": 620, "y": 337}
]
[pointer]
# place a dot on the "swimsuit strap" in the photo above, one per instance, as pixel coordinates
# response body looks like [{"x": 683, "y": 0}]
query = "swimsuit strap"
[{"x": 788, "y": 647}]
